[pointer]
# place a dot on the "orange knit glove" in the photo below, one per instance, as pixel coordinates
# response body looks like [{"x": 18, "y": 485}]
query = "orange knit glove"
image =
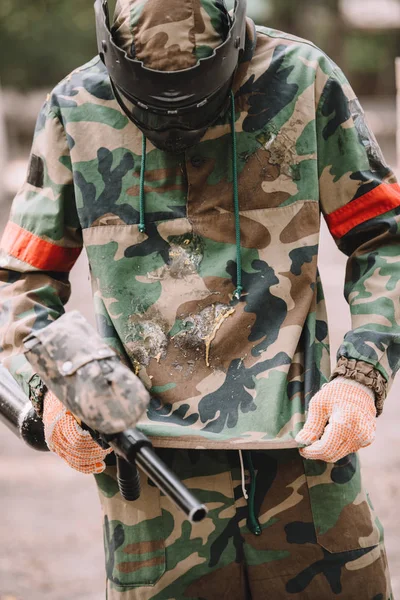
[
  {"x": 65, "y": 437},
  {"x": 349, "y": 409}
]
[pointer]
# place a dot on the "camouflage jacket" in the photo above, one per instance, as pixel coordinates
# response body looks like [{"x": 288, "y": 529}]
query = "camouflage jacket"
[{"x": 223, "y": 372}]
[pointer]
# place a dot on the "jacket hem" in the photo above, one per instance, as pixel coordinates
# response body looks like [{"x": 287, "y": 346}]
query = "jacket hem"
[{"x": 234, "y": 444}]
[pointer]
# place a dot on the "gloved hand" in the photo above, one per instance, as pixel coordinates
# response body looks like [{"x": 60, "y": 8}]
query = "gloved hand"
[
  {"x": 350, "y": 409},
  {"x": 65, "y": 437}
]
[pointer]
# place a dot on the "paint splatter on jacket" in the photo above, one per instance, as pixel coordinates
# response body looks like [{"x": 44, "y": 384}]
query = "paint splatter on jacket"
[{"x": 223, "y": 372}]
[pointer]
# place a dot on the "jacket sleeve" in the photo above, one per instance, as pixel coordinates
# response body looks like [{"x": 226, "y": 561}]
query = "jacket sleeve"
[
  {"x": 360, "y": 199},
  {"x": 40, "y": 244}
]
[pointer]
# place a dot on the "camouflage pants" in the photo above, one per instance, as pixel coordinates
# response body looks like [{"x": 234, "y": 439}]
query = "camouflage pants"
[{"x": 320, "y": 537}]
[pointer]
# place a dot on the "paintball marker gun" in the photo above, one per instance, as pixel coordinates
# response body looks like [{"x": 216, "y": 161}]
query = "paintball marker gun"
[{"x": 89, "y": 379}]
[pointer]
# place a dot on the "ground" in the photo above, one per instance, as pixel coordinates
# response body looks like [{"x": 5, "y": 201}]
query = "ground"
[{"x": 50, "y": 529}]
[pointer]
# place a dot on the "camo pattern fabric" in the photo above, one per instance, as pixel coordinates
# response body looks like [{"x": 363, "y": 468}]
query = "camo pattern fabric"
[
  {"x": 86, "y": 375},
  {"x": 320, "y": 537},
  {"x": 173, "y": 39},
  {"x": 222, "y": 372}
]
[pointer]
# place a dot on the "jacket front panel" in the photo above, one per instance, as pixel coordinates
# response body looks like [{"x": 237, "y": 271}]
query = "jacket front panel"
[{"x": 222, "y": 371}]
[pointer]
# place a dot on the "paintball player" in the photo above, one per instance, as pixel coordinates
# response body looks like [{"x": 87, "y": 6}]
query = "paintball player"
[{"x": 193, "y": 158}]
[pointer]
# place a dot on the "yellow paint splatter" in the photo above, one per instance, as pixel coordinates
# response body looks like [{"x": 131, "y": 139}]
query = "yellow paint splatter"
[
  {"x": 136, "y": 366},
  {"x": 210, "y": 337}
]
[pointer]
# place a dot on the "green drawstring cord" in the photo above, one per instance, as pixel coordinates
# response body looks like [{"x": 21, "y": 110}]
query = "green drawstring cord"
[
  {"x": 239, "y": 288},
  {"x": 252, "y": 521},
  {"x": 142, "y": 226}
]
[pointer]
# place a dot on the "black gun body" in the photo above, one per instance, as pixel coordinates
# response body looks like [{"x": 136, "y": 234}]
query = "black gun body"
[{"x": 18, "y": 414}]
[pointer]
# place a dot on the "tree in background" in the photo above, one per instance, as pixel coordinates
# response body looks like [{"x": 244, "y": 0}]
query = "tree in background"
[
  {"x": 318, "y": 20},
  {"x": 43, "y": 40}
]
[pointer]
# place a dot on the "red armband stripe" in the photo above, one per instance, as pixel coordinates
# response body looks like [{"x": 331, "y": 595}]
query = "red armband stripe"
[
  {"x": 383, "y": 198},
  {"x": 31, "y": 249}
]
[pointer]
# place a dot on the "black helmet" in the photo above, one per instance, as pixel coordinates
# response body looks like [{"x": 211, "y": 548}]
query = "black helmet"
[{"x": 173, "y": 100}]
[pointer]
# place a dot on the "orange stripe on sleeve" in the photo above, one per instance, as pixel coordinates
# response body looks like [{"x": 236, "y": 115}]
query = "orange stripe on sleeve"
[
  {"x": 383, "y": 198},
  {"x": 39, "y": 253}
]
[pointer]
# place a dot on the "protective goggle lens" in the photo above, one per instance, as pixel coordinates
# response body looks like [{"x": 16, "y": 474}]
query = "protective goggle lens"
[{"x": 189, "y": 118}]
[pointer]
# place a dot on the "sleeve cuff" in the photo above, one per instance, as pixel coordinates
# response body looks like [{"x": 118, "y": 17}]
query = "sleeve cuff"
[{"x": 363, "y": 373}]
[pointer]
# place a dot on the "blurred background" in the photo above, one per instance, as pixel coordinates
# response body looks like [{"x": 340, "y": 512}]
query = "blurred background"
[{"x": 50, "y": 521}]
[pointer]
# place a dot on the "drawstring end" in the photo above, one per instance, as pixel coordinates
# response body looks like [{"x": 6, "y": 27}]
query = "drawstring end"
[
  {"x": 244, "y": 491},
  {"x": 142, "y": 226},
  {"x": 238, "y": 292},
  {"x": 253, "y": 523},
  {"x": 239, "y": 288}
]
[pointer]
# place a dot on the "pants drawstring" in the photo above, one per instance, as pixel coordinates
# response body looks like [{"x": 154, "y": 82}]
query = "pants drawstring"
[
  {"x": 245, "y": 495},
  {"x": 252, "y": 520}
]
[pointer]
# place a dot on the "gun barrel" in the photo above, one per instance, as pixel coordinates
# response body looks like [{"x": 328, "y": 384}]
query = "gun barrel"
[
  {"x": 135, "y": 447},
  {"x": 170, "y": 485}
]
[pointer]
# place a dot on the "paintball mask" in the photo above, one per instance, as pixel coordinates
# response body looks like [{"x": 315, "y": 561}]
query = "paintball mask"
[{"x": 173, "y": 108}]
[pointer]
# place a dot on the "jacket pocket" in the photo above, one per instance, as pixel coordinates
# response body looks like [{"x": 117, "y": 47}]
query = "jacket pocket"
[
  {"x": 343, "y": 516},
  {"x": 134, "y": 539}
]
